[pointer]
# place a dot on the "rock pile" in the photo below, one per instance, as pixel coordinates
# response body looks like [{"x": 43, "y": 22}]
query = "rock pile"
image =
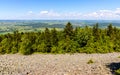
[{"x": 60, "y": 64}]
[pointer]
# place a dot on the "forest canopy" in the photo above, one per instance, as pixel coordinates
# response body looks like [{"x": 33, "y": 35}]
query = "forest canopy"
[{"x": 69, "y": 40}]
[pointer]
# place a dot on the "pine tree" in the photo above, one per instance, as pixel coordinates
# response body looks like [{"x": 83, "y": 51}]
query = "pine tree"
[
  {"x": 96, "y": 33},
  {"x": 110, "y": 30},
  {"x": 68, "y": 30},
  {"x": 54, "y": 37},
  {"x": 47, "y": 40}
]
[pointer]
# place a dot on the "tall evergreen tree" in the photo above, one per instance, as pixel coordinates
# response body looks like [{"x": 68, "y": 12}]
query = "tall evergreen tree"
[
  {"x": 110, "y": 30},
  {"x": 96, "y": 33},
  {"x": 47, "y": 40},
  {"x": 68, "y": 30},
  {"x": 54, "y": 37}
]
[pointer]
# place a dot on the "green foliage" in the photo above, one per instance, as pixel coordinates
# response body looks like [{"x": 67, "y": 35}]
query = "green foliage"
[
  {"x": 90, "y": 61},
  {"x": 96, "y": 32},
  {"x": 54, "y": 49},
  {"x": 54, "y": 37},
  {"x": 110, "y": 30},
  {"x": 118, "y": 56},
  {"x": 70, "y": 40},
  {"x": 47, "y": 40},
  {"x": 68, "y": 30},
  {"x": 41, "y": 47},
  {"x": 117, "y": 72}
]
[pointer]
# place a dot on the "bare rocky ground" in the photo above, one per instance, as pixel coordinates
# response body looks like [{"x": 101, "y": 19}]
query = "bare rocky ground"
[{"x": 60, "y": 64}]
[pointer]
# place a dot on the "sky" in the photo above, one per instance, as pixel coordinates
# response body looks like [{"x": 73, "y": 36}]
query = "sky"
[{"x": 60, "y": 9}]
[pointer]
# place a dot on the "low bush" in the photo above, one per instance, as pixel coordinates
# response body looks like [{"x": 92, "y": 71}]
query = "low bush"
[
  {"x": 117, "y": 72},
  {"x": 90, "y": 61}
]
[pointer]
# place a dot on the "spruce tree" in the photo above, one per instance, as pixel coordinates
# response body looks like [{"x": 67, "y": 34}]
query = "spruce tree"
[
  {"x": 110, "y": 30},
  {"x": 54, "y": 37},
  {"x": 96, "y": 33},
  {"x": 47, "y": 40},
  {"x": 68, "y": 30}
]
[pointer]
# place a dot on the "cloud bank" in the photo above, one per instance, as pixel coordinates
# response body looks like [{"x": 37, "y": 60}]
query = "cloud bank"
[
  {"x": 50, "y": 14},
  {"x": 101, "y": 14}
]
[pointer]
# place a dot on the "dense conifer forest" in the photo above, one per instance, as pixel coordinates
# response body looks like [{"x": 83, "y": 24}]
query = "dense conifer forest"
[{"x": 70, "y": 40}]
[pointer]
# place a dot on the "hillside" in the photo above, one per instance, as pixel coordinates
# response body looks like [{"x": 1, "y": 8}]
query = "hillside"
[{"x": 9, "y": 26}]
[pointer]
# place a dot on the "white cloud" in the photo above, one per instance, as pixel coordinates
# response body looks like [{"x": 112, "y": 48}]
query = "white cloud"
[
  {"x": 43, "y": 12},
  {"x": 104, "y": 14},
  {"x": 101, "y": 14},
  {"x": 117, "y": 11},
  {"x": 50, "y": 14},
  {"x": 30, "y": 12}
]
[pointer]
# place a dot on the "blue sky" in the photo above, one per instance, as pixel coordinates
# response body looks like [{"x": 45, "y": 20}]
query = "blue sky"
[{"x": 60, "y": 9}]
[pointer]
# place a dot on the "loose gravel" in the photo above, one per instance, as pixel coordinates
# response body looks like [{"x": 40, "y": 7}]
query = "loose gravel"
[{"x": 59, "y": 64}]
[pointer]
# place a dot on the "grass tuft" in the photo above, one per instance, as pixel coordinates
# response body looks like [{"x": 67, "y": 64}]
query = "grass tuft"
[{"x": 90, "y": 61}]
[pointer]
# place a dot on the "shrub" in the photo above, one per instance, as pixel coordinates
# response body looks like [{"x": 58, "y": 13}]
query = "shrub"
[
  {"x": 117, "y": 72},
  {"x": 118, "y": 56},
  {"x": 90, "y": 61},
  {"x": 54, "y": 50}
]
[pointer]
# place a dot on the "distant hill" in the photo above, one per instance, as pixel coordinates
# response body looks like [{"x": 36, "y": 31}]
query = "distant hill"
[{"x": 37, "y": 25}]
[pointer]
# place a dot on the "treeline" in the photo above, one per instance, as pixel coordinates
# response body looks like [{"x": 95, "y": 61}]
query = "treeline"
[
  {"x": 42, "y": 25},
  {"x": 70, "y": 40}
]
